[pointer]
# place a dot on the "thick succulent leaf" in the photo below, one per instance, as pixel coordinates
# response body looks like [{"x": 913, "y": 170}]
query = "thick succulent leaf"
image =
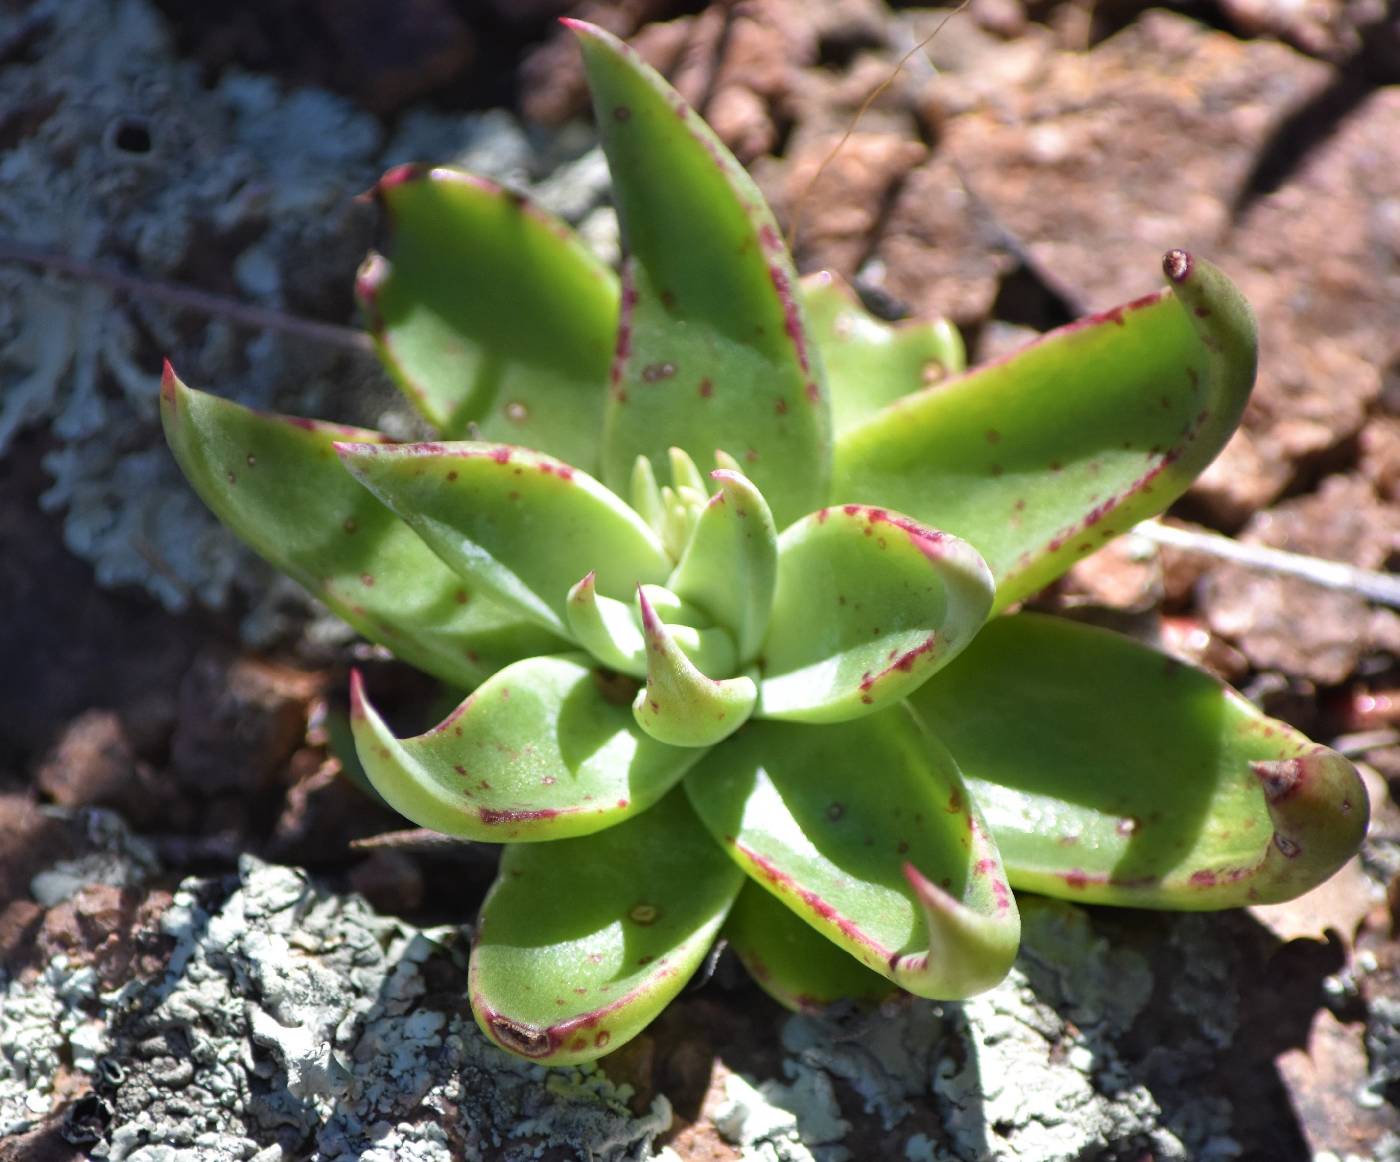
[
  {"x": 275, "y": 481},
  {"x": 870, "y": 363},
  {"x": 680, "y": 705},
  {"x": 868, "y": 604},
  {"x": 1041, "y": 457},
  {"x": 523, "y": 526},
  {"x": 712, "y": 349},
  {"x": 489, "y": 311},
  {"x": 730, "y": 566},
  {"x": 582, "y": 942},
  {"x": 607, "y": 629},
  {"x": 791, "y": 961},
  {"x": 545, "y": 749},
  {"x": 867, "y": 832},
  {"x": 1110, "y": 773}
]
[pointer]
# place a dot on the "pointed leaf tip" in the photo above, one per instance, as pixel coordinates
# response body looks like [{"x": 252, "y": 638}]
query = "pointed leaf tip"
[
  {"x": 357, "y": 693},
  {"x": 1320, "y": 812},
  {"x": 1111, "y": 774},
  {"x": 833, "y": 820},
  {"x": 1177, "y": 264},
  {"x": 271, "y": 478},
  {"x": 680, "y": 705},
  {"x": 712, "y": 349},
  {"x": 169, "y": 383},
  {"x": 969, "y": 950}
]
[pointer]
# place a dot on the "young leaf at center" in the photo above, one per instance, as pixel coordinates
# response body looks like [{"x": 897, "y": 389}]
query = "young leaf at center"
[{"x": 868, "y": 604}]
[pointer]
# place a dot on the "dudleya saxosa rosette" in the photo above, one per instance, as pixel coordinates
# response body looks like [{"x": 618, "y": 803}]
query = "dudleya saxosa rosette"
[{"x": 726, "y": 564}]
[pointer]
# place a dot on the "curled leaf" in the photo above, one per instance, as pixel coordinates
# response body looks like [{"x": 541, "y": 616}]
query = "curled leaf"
[
  {"x": 680, "y": 705},
  {"x": 581, "y": 943},
  {"x": 276, "y": 482},
  {"x": 866, "y": 831},
  {"x": 867, "y": 605},
  {"x": 1039, "y": 458},
  {"x": 1112, "y": 774},
  {"x": 522, "y": 525},
  {"x": 543, "y": 750}
]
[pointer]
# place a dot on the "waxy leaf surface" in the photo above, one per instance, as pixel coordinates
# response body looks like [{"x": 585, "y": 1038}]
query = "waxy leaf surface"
[
  {"x": 1039, "y": 458},
  {"x": 542, "y": 750},
  {"x": 868, "y": 604},
  {"x": 712, "y": 350},
  {"x": 276, "y": 482},
  {"x": 870, "y": 363},
  {"x": 681, "y": 704},
  {"x": 489, "y": 311},
  {"x": 1110, "y": 773},
  {"x": 730, "y": 566},
  {"x": 581, "y": 943},
  {"x": 791, "y": 961},
  {"x": 866, "y": 831},
  {"x": 523, "y": 526}
]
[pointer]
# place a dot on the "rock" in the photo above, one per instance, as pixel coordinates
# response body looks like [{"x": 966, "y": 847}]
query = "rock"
[
  {"x": 1138, "y": 146},
  {"x": 93, "y": 765},
  {"x": 1324, "y": 291},
  {"x": 240, "y": 721},
  {"x": 1290, "y": 625},
  {"x": 842, "y": 212}
]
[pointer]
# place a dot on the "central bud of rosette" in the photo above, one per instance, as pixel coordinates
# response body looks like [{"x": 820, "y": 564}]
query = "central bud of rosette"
[{"x": 689, "y": 590}]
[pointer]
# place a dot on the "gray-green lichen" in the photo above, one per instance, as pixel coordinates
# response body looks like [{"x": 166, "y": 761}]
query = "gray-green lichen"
[
  {"x": 292, "y": 1022},
  {"x": 1029, "y": 1072},
  {"x": 125, "y": 159},
  {"x": 295, "y": 1023}
]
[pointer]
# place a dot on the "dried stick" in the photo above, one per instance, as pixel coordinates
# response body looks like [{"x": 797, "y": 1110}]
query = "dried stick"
[
  {"x": 1382, "y": 588},
  {"x": 178, "y": 295}
]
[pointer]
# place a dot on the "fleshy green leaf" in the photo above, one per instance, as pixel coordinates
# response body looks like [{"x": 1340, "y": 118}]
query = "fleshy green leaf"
[
  {"x": 870, "y": 363},
  {"x": 791, "y": 961},
  {"x": 489, "y": 311},
  {"x": 866, "y": 831},
  {"x": 712, "y": 349},
  {"x": 523, "y": 526},
  {"x": 581, "y": 943},
  {"x": 868, "y": 604},
  {"x": 545, "y": 749},
  {"x": 729, "y": 568},
  {"x": 275, "y": 481},
  {"x": 1041, "y": 457},
  {"x": 680, "y": 705},
  {"x": 607, "y": 629},
  {"x": 1110, "y": 773}
]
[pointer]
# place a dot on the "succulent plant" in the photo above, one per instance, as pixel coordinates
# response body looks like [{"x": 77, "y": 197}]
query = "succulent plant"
[{"x": 786, "y": 699}]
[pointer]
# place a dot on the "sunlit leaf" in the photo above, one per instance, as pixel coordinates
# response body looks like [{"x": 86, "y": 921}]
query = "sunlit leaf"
[
  {"x": 489, "y": 311},
  {"x": 582, "y": 942},
  {"x": 1110, "y": 773},
  {"x": 1039, "y": 458}
]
